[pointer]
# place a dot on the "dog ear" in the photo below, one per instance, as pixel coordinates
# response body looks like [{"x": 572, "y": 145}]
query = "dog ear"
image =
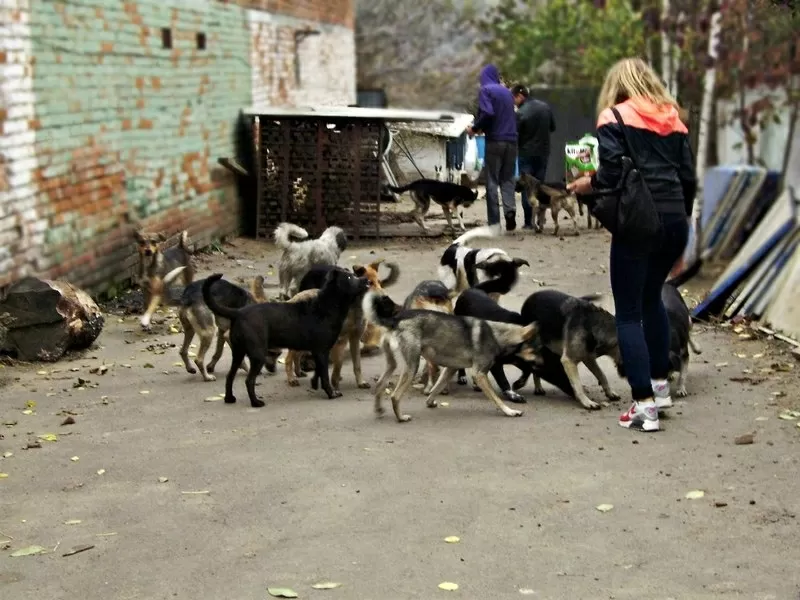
[
  {"x": 520, "y": 261},
  {"x": 359, "y": 270},
  {"x": 377, "y": 263},
  {"x": 530, "y": 331},
  {"x": 138, "y": 235},
  {"x": 162, "y": 237}
]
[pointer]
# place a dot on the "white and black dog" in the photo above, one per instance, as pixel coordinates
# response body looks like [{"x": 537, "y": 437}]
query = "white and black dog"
[
  {"x": 474, "y": 261},
  {"x": 300, "y": 253}
]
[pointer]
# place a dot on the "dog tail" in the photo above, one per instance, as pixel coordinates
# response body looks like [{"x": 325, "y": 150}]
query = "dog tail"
[
  {"x": 183, "y": 240},
  {"x": 217, "y": 309},
  {"x": 503, "y": 275},
  {"x": 485, "y": 232},
  {"x": 399, "y": 190},
  {"x": 687, "y": 274},
  {"x": 285, "y": 232},
  {"x": 379, "y": 309},
  {"x": 172, "y": 275},
  {"x": 593, "y": 298},
  {"x": 257, "y": 289},
  {"x": 394, "y": 274}
]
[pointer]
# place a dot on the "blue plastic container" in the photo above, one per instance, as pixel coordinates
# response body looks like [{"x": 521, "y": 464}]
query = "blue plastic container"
[{"x": 480, "y": 142}]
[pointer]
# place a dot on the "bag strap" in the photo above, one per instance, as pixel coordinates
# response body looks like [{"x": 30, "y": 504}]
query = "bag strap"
[{"x": 618, "y": 117}]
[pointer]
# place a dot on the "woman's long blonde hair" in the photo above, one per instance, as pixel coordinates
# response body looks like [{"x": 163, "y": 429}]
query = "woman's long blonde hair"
[{"x": 629, "y": 78}]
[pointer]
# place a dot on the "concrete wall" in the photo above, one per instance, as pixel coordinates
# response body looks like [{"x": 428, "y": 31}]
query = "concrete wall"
[
  {"x": 99, "y": 118},
  {"x": 426, "y": 150}
]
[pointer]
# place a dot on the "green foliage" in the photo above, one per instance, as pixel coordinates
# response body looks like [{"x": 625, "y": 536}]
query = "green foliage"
[{"x": 563, "y": 42}]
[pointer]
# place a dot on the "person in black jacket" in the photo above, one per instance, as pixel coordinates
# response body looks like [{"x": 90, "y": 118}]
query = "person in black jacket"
[
  {"x": 660, "y": 147},
  {"x": 535, "y": 123}
]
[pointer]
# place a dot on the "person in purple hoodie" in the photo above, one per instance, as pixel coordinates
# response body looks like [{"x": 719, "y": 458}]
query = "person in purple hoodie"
[{"x": 497, "y": 120}]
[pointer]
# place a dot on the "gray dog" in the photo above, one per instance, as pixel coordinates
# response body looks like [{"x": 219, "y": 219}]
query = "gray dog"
[{"x": 300, "y": 253}]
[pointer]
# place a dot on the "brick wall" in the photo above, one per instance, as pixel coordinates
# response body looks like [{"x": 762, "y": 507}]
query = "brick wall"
[{"x": 100, "y": 117}]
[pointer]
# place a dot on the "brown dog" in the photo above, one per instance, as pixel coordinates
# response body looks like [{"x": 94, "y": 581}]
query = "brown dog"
[
  {"x": 158, "y": 267},
  {"x": 373, "y": 332},
  {"x": 550, "y": 197}
]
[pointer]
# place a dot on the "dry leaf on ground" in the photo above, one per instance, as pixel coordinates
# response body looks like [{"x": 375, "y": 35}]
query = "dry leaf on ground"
[
  {"x": 73, "y": 522},
  {"x": 3, "y": 475},
  {"x": 163, "y": 479},
  {"x": 48, "y": 437},
  {"x": 448, "y": 586},
  {"x": 452, "y": 539},
  {"x": 281, "y": 592},
  {"x": 744, "y": 439},
  {"x": 326, "y": 585},
  {"x": 604, "y": 507},
  {"x": 695, "y": 494},
  {"x": 29, "y": 551}
]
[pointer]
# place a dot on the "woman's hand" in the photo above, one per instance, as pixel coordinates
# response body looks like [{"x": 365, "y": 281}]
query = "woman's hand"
[{"x": 582, "y": 185}]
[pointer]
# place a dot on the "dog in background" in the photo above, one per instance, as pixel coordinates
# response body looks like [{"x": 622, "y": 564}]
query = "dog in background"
[
  {"x": 437, "y": 173},
  {"x": 450, "y": 196},
  {"x": 197, "y": 318},
  {"x": 300, "y": 254},
  {"x": 553, "y": 196},
  {"x": 159, "y": 266},
  {"x": 450, "y": 341},
  {"x": 680, "y": 328},
  {"x": 577, "y": 330},
  {"x": 310, "y": 325}
]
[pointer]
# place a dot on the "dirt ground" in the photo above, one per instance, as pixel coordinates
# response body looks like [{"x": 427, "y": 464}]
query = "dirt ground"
[{"x": 182, "y": 496}]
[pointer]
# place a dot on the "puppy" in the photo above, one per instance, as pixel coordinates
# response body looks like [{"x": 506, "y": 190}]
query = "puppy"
[
  {"x": 311, "y": 325},
  {"x": 156, "y": 263},
  {"x": 578, "y": 331},
  {"x": 450, "y": 341},
  {"x": 552, "y": 195},
  {"x": 197, "y": 318},
  {"x": 299, "y": 256},
  {"x": 475, "y": 302},
  {"x": 680, "y": 329},
  {"x": 473, "y": 260},
  {"x": 350, "y": 335},
  {"x": 450, "y": 196}
]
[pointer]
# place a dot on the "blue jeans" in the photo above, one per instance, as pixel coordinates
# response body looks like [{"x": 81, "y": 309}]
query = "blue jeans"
[
  {"x": 637, "y": 276},
  {"x": 536, "y": 166}
]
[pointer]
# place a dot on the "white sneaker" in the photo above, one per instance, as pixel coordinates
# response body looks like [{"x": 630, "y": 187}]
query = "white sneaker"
[
  {"x": 661, "y": 393},
  {"x": 641, "y": 416}
]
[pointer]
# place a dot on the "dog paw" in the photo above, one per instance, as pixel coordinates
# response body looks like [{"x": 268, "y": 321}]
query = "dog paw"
[
  {"x": 445, "y": 392},
  {"x": 210, "y": 367},
  {"x": 681, "y": 392},
  {"x": 520, "y": 383},
  {"x": 335, "y": 394},
  {"x": 363, "y": 385},
  {"x": 514, "y": 397},
  {"x": 257, "y": 403},
  {"x": 538, "y": 392},
  {"x": 293, "y": 383},
  {"x": 403, "y": 418},
  {"x": 431, "y": 403},
  {"x": 589, "y": 404},
  {"x": 462, "y": 380},
  {"x": 380, "y": 411},
  {"x": 191, "y": 370},
  {"x": 314, "y": 383},
  {"x": 513, "y": 413},
  {"x": 209, "y": 377},
  {"x": 613, "y": 396},
  {"x": 230, "y": 399}
]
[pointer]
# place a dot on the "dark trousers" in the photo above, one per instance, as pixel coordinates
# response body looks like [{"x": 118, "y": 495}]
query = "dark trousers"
[
  {"x": 500, "y": 161},
  {"x": 536, "y": 166},
  {"x": 637, "y": 276}
]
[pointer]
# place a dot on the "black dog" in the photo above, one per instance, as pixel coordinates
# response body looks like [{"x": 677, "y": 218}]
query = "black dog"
[
  {"x": 450, "y": 196},
  {"x": 311, "y": 326},
  {"x": 475, "y": 302}
]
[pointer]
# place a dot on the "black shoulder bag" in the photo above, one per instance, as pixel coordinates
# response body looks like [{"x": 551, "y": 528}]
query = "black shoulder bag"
[{"x": 628, "y": 212}]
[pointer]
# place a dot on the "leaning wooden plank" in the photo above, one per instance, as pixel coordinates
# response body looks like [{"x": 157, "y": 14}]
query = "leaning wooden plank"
[{"x": 233, "y": 166}]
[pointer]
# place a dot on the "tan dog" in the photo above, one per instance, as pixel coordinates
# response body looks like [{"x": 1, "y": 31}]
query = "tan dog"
[
  {"x": 558, "y": 200},
  {"x": 197, "y": 318},
  {"x": 373, "y": 332},
  {"x": 158, "y": 267}
]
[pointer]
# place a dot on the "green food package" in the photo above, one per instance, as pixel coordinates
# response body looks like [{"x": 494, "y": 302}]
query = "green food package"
[{"x": 581, "y": 157}]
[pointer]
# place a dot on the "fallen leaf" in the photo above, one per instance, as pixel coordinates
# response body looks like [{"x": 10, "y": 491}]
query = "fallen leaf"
[
  {"x": 744, "y": 439},
  {"x": 326, "y": 585},
  {"x": 782, "y": 367},
  {"x": 41, "y": 372},
  {"x": 444, "y": 404},
  {"x": 759, "y": 355},
  {"x": 604, "y": 507},
  {"x": 3, "y": 475},
  {"x": 177, "y": 364},
  {"x": 27, "y": 411},
  {"x": 173, "y": 329},
  {"x": 720, "y": 504},
  {"x": 68, "y": 421},
  {"x": 213, "y": 399},
  {"x": 78, "y": 549},
  {"x": 779, "y": 394},
  {"x": 741, "y": 355},
  {"x": 281, "y": 592},
  {"x": 101, "y": 471},
  {"x": 452, "y": 539},
  {"x": 787, "y": 416},
  {"x": 75, "y": 458},
  {"x": 722, "y": 364},
  {"x": 8, "y": 454},
  {"x": 197, "y": 492},
  {"x": 144, "y": 392},
  {"x": 163, "y": 479},
  {"x": 527, "y": 591},
  {"x": 29, "y": 551},
  {"x": 73, "y": 522},
  {"x": 30, "y": 404},
  {"x": 48, "y": 437},
  {"x": 762, "y": 418},
  {"x": 695, "y": 494},
  {"x": 448, "y": 586},
  {"x": 148, "y": 366},
  {"x": 106, "y": 534}
]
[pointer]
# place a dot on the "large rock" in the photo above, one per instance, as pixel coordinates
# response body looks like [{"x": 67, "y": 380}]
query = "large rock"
[{"x": 42, "y": 319}]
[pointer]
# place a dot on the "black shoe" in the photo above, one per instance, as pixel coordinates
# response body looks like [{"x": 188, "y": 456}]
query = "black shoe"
[
  {"x": 528, "y": 227},
  {"x": 511, "y": 221}
]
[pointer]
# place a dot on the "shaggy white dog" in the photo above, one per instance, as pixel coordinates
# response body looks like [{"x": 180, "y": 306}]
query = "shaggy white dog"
[{"x": 300, "y": 253}]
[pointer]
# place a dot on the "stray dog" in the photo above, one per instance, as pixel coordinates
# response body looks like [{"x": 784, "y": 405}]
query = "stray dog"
[
  {"x": 577, "y": 330},
  {"x": 311, "y": 325},
  {"x": 299, "y": 256},
  {"x": 680, "y": 329},
  {"x": 158, "y": 268},
  {"x": 437, "y": 173},
  {"x": 196, "y": 317},
  {"x": 553, "y": 196},
  {"x": 351, "y": 332},
  {"x": 475, "y": 302},
  {"x": 449, "y": 341},
  {"x": 473, "y": 261},
  {"x": 450, "y": 196}
]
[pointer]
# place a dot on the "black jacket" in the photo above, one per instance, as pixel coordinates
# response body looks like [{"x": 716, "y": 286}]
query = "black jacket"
[
  {"x": 660, "y": 150},
  {"x": 535, "y": 123}
]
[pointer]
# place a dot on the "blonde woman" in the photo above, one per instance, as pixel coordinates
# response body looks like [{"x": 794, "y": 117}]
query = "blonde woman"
[{"x": 660, "y": 147}]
